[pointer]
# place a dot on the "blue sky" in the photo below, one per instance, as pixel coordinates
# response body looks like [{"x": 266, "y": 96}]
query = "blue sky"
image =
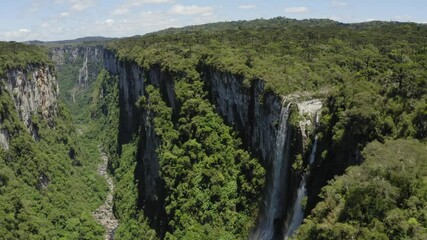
[{"x": 22, "y": 20}]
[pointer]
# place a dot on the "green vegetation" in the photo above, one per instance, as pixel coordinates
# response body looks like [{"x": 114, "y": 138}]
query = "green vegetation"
[
  {"x": 77, "y": 98},
  {"x": 383, "y": 198},
  {"x": 105, "y": 113},
  {"x": 212, "y": 186},
  {"x": 372, "y": 75},
  {"x": 48, "y": 188},
  {"x": 373, "y": 78},
  {"x": 292, "y": 55},
  {"x": 18, "y": 55}
]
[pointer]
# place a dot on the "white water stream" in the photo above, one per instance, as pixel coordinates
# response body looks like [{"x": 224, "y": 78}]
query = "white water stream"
[
  {"x": 265, "y": 228},
  {"x": 298, "y": 211}
]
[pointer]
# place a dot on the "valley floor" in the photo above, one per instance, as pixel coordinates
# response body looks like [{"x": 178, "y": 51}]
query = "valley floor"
[{"x": 104, "y": 214}]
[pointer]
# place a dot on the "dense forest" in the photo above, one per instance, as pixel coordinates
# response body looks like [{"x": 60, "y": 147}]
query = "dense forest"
[
  {"x": 48, "y": 186},
  {"x": 372, "y": 76},
  {"x": 370, "y": 174},
  {"x": 212, "y": 185},
  {"x": 383, "y": 198}
]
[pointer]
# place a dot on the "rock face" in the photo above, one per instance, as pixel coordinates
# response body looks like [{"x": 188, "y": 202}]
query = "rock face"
[
  {"x": 83, "y": 62},
  {"x": 4, "y": 136},
  {"x": 131, "y": 85},
  {"x": 34, "y": 90},
  {"x": 253, "y": 112},
  {"x": 257, "y": 116},
  {"x": 309, "y": 110},
  {"x": 132, "y": 120}
]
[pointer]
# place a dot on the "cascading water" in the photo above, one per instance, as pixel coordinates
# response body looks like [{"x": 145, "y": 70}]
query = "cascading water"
[
  {"x": 271, "y": 212},
  {"x": 298, "y": 211}
]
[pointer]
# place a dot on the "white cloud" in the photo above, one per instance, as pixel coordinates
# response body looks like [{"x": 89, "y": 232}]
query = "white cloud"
[
  {"x": 157, "y": 1},
  {"x": 120, "y": 11},
  {"x": 371, "y": 19},
  {"x": 141, "y": 18},
  {"x": 125, "y": 8},
  {"x": 296, "y": 10},
  {"x": 135, "y": 3},
  {"x": 338, "y": 4},
  {"x": 191, "y": 10},
  {"x": 35, "y": 6},
  {"x": 34, "y": 9},
  {"x": 24, "y": 30},
  {"x": 64, "y": 14},
  {"x": 403, "y": 18},
  {"x": 81, "y": 5},
  {"x": 109, "y": 22},
  {"x": 334, "y": 17},
  {"x": 22, "y": 34},
  {"x": 139, "y": 24},
  {"x": 247, "y": 6}
]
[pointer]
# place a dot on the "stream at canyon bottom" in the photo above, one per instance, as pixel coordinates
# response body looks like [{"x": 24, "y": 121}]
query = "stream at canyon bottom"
[{"x": 104, "y": 214}]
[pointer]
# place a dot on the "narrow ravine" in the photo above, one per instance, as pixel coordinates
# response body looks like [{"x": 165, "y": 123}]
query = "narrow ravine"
[{"x": 104, "y": 214}]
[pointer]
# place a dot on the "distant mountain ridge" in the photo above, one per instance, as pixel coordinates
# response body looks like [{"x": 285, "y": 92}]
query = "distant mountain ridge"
[{"x": 90, "y": 39}]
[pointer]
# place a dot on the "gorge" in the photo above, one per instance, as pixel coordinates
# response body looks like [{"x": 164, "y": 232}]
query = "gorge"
[
  {"x": 209, "y": 142},
  {"x": 264, "y": 128}
]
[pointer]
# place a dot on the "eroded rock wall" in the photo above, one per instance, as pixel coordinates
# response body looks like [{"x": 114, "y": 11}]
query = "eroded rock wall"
[{"x": 34, "y": 90}]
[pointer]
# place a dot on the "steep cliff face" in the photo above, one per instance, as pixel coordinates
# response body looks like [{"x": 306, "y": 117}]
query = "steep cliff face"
[
  {"x": 78, "y": 68},
  {"x": 256, "y": 115},
  {"x": 35, "y": 92},
  {"x": 253, "y": 112},
  {"x": 134, "y": 121},
  {"x": 88, "y": 58}
]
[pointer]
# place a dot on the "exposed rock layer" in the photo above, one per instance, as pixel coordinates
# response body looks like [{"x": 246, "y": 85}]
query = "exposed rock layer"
[
  {"x": 34, "y": 90},
  {"x": 88, "y": 58}
]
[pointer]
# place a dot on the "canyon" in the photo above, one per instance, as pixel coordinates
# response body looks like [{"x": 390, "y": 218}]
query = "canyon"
[
  {"x": 263, "y": 126},
  {"x": 202, "y": 133}
]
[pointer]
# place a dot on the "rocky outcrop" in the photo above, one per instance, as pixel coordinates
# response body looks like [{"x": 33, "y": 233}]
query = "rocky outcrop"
[
  {"x": 104, "y": 214},
  {"x": 34, "y": 90},
  {"x": 4, "y": 136},
  {"x": 309, "y": 110}
]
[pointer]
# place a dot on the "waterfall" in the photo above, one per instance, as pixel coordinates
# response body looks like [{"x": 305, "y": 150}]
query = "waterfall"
[
  {"x": 272, "y": 209},
  {"x": 297, "y": 210},
  {"x": 83, "y": 73}
]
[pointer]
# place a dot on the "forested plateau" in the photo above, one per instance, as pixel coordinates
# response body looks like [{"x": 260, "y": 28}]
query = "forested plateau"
[{"x": 262, "y": 129}]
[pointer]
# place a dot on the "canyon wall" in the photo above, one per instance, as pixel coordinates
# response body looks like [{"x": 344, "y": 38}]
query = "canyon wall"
[
  {"x": 253, "y": 112},
  {"x": 34, "y": 90},
  {"x": 88, "y": 59}
]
